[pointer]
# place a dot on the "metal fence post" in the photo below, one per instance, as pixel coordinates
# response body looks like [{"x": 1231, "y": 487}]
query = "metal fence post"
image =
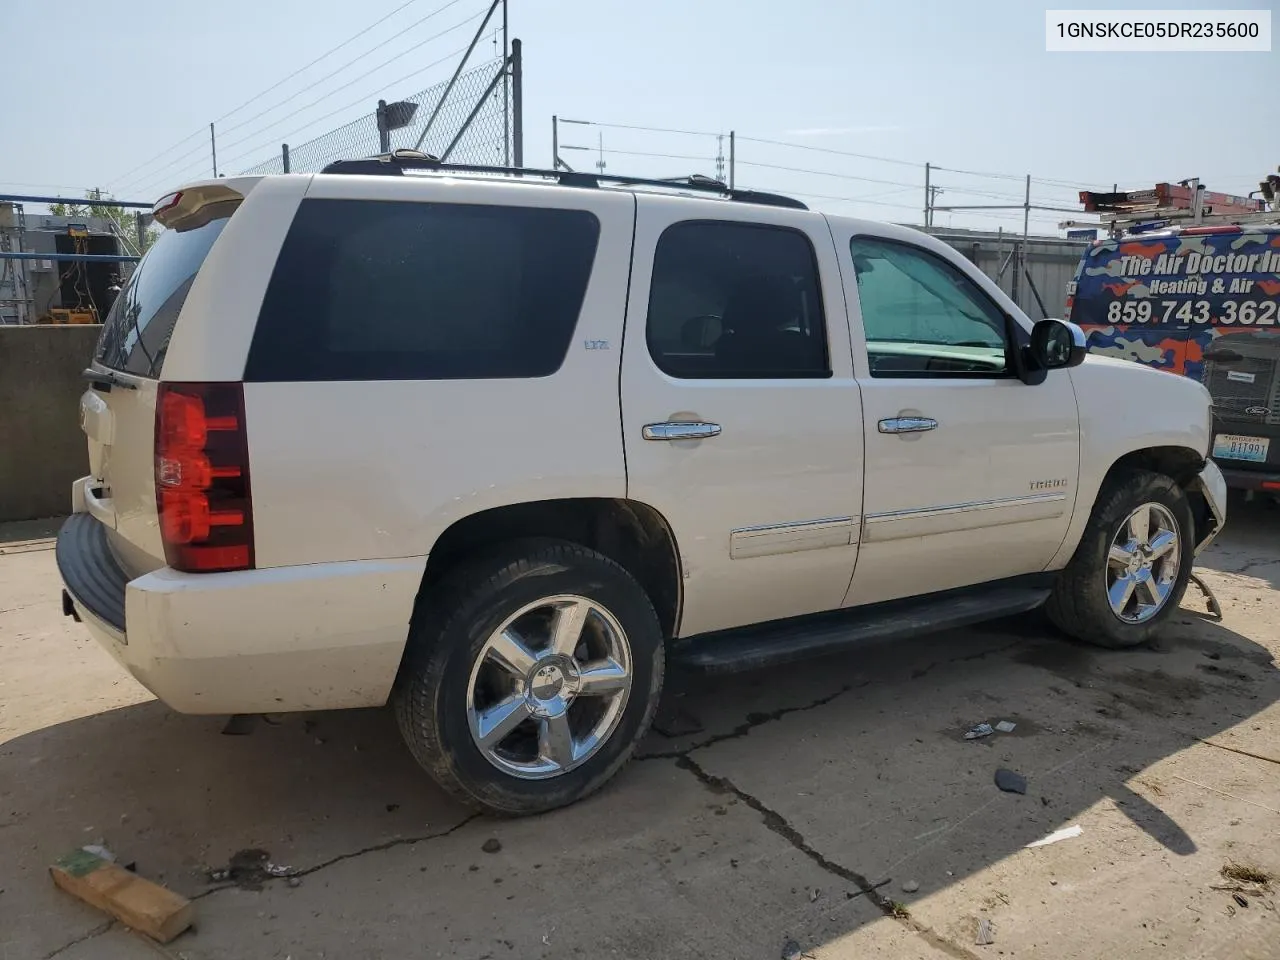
[
  {"x": 384, "y": 135},
  {"x": 508, "y": 62},
  {"x": 284, "y": 156},
  {"x": 517, "y": 103}
]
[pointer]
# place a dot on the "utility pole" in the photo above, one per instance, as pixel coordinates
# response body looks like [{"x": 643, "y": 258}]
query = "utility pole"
[
  {"x": 928, "y": 197},
  {"x": 555, "y": 142},
  {"x": 600, "y": 163},
  {"x": 213, "y": 150},
  {"x": 720, "y": 157},
  {"x": 731, "y": 151}
]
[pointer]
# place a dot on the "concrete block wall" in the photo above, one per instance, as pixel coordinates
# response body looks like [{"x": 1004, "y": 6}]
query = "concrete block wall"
[{"x": 42, "y": 449}]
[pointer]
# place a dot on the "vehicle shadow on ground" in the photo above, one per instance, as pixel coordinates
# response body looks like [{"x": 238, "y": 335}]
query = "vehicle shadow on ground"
[{"x": 837, "y": 775}]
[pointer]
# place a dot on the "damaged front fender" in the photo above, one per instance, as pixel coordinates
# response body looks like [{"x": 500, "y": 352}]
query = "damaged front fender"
[{"x": 1210, "y": 485}]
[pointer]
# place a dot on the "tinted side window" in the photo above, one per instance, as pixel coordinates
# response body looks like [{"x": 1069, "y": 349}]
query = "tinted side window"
[
  {"x": 135, "y": 334},
  {"x": 377, "y": 290},
  {"x": 736, "y": 300},
  {"x": 922, "y": 316}
]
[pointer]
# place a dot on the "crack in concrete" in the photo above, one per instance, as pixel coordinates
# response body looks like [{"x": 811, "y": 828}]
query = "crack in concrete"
[
  {"x": 752, "y": 721},
  {"x": 918, "y": 674},
  {"x": 97, "y": 931},
  {"x": 375, "y": 848},
  {"x": 779, "y": 825},
  {"x": 1249, "y": 565}
]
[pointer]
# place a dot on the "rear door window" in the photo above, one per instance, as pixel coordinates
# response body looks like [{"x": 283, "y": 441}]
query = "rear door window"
[
  {"x": 388, "y": 290},
  {"x": 136, "y": 332},
  {"x": 732, "y": 300}
]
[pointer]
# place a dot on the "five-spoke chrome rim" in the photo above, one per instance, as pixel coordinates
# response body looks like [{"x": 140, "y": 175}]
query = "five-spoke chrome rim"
[
  {"x": 1142, "y": 564},
  {"x": 549, "y": 687}
]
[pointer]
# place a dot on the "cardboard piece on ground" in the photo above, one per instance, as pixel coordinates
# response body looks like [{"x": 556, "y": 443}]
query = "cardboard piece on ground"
[{"x": 135, "y": 902}]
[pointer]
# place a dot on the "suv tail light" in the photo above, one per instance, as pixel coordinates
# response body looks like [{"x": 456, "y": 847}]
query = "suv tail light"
[{"x": 202, "y": 477}]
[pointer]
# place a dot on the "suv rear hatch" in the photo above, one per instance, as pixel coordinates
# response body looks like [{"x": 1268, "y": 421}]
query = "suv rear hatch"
[{"x": 118, "y": 410}]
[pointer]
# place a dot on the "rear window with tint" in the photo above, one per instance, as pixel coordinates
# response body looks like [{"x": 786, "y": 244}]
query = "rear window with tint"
[
  {"x": 136, "y": 332},
  {"x": 386, "y": 290}
]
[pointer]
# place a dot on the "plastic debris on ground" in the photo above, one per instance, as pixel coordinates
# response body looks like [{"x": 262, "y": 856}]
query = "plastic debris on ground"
[
  {"x": 981, "y": 730},
  {"x": 1011, "y": 782},
  {"x": 1066, "y": 833},
  {"x": 986, "y": 933},
  {"x": 1006, "y": 726}
]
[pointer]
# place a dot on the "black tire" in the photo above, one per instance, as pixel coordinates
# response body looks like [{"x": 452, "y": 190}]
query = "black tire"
[
  {"x": 448, "y": 633},
  {"x": 1078, "y": 605}
]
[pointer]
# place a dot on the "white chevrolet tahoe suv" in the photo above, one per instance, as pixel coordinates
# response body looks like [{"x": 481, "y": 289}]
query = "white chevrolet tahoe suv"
[{"x": 500, "y": 449}]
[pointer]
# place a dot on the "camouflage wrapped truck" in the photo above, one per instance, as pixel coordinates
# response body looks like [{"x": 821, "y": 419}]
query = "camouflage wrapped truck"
[{"x": 1189, "y": 283}]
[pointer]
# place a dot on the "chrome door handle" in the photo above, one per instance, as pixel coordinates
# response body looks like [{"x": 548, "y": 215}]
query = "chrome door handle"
[
  {"x": 907, "y": 424},
  {"x": 681, "y": 430}
]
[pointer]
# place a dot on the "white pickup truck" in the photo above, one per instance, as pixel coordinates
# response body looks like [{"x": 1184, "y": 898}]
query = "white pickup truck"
[{"x": 498, "y": 448}]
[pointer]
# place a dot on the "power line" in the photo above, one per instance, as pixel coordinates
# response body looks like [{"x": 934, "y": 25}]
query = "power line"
[
  {"x": 641, "y": 153},
  {"x": 333, "y": 50},
  {"x": 865, "y": 199},
  {"x": 831, "y": 150},
  {"x": 277, "y": 84},
  {"x": 135, "y": 182},
  {"x": 355, "y": 80},
  {"x": 632, "y": 126},
  {"x": 154, "y": 158},
  {"x": 823, "y": 173},
  {"x": 364, "y": 99},
  {"x": 332, "y": 73}
]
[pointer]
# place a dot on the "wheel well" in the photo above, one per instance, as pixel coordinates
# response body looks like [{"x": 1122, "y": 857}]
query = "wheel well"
[
  {"x": 1180, "y": 463},
  {"x": 1183, "y": 465},
  {"x": 632, "y": 534}
]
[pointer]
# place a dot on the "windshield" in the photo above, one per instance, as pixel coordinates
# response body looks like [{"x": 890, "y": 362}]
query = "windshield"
[{"x": 135, "y": 334}]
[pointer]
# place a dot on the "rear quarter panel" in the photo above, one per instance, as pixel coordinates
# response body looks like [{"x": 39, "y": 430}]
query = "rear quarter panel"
[{"x": 379, "y": 469}]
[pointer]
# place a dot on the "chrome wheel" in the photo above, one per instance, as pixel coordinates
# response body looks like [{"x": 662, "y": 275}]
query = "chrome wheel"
[
  {"x": 1142, "y": 564},
  {"x": 549, "y": 687}
]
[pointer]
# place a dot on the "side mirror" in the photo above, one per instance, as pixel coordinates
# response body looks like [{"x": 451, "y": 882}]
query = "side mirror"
[{"x": 1056, "y": 344}]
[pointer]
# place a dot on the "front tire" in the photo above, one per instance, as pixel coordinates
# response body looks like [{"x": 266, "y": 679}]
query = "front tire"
[
  {"x": 1132, "y": 565},
  {"x": 531, "y": 674}
]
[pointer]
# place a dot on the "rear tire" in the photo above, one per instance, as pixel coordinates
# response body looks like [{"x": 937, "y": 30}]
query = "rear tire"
[
  {"x": 531, "y": 674},
  {"x": 1131, "y": 568}
]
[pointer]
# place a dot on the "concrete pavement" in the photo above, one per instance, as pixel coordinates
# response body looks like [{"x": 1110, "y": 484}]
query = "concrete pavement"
[{"x": 795, "y": 820}]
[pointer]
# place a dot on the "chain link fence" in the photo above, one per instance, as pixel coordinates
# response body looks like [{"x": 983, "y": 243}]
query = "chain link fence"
[{"x": 486, "y": 139}]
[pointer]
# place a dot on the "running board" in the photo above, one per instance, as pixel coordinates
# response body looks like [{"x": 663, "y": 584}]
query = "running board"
[{"x": 798, "y": 638}]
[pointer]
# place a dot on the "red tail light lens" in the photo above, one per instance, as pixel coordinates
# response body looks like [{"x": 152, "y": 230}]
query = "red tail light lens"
[{"x": 202, "y": 477}]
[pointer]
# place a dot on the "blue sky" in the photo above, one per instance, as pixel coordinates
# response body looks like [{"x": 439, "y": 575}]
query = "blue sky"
[{"x": 111, "y": 88}]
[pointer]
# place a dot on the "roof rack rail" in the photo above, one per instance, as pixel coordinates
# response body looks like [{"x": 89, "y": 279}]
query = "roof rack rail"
[{"x": 397, "y": 162}]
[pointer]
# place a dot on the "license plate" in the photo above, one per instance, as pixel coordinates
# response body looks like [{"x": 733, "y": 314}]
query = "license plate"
[{"x": 1229, "y": 446}]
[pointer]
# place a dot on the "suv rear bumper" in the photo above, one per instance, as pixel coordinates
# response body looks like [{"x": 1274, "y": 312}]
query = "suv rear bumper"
[{"x": 317, "y": 637}]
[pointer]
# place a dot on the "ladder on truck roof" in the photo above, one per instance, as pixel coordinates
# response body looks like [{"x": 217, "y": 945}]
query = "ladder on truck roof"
[{"x": 1178, "y": 204}]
